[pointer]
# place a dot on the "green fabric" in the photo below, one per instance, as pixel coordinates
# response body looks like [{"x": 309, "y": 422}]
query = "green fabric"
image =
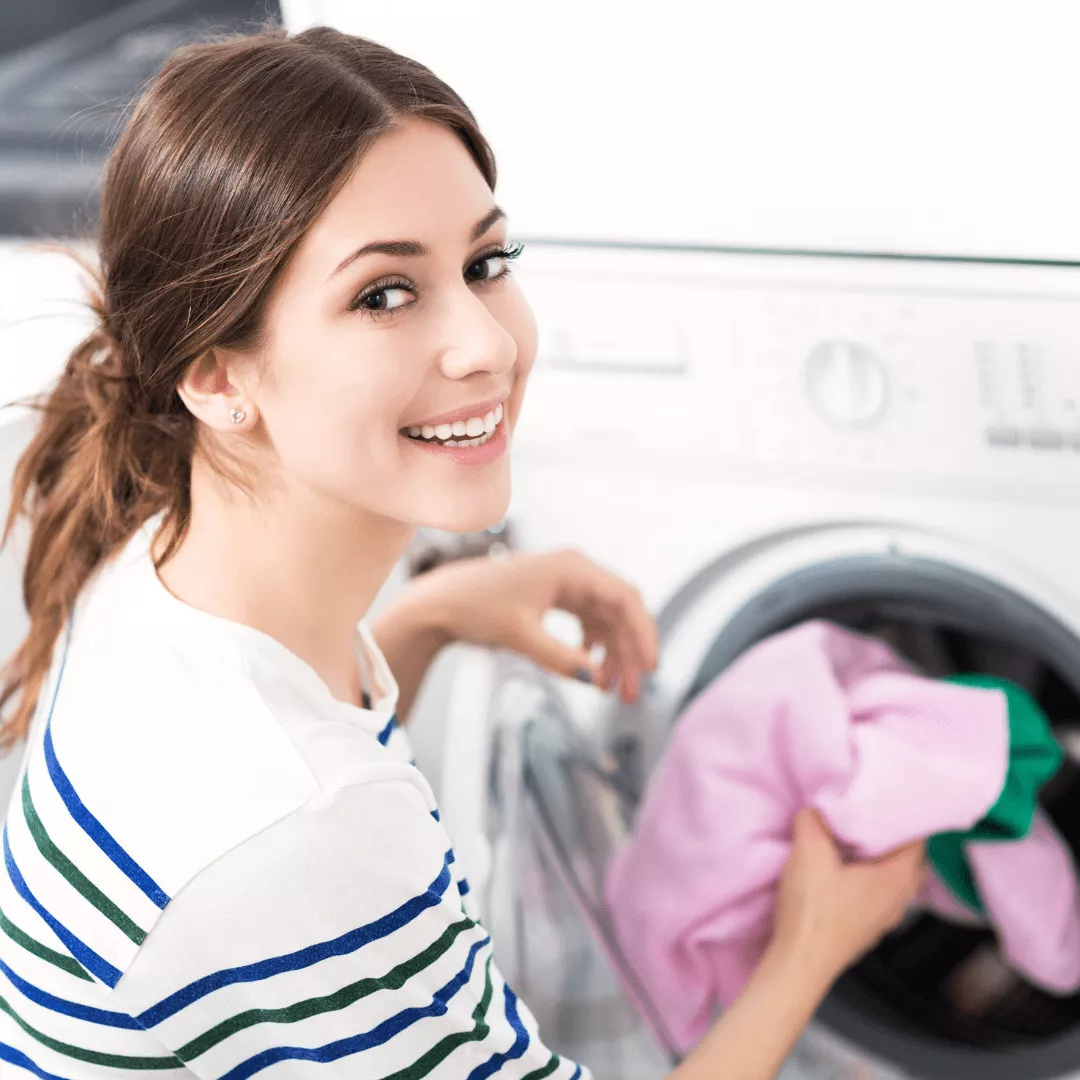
[{"x": 1034, "y": 757}]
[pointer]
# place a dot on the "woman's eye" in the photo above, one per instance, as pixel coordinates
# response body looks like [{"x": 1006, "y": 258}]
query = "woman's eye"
[
  {"x": 487, "y": 268},
  {"x": 384, "y": 299}
]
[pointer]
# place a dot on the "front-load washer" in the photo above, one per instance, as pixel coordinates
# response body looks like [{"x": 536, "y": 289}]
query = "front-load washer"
[{"x": 754, "y": 439}]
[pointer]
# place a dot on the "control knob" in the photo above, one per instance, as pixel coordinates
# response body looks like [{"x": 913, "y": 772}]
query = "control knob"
[{"x": 847, "y": 383}]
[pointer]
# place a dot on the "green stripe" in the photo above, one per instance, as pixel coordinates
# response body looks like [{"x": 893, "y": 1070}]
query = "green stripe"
[
  {"x": 75, "y": 877},
  {"x": 31, "y": 945},
  {"x": 94, "y": 1057},
  {"x": 546, "y": 1070},
  {"x": 443, "y": 1049},
  {"x": 394, "y": 979}
]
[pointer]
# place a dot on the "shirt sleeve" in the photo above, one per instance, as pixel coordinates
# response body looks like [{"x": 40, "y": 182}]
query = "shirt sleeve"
[{"x": 335, "y": 943}]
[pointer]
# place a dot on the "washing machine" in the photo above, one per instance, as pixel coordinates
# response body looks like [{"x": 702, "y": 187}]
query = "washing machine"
[{"x": 754, "y": 439}]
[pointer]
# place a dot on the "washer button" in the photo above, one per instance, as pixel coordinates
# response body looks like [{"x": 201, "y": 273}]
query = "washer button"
[
  {"x": 1002, "y": 436},
  {"x": 1046, "y": 440}
]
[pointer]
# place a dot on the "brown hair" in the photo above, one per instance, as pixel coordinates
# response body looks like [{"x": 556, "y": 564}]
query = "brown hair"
[{"x": 224, "y": 162}]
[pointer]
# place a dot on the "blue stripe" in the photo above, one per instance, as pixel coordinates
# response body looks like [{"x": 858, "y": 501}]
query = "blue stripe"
[
  {"x": 105, "y": 1017},
  {"x": 463, "y": 887},
  {"x": 435, "y": 815},
  {"x": 17, "y": 1057},
  {"x": 94, "y": 829},
  {"x": 384, "y": 735},
  {"x": 378, "y": 1035},
  {"x": 577, "y": 1074},
  {"x": 96, "y": 965},
  {"x": 302, "y": 958},
  {"x": 521, "y": 1043},
  {"x": 90, "y": 824}
]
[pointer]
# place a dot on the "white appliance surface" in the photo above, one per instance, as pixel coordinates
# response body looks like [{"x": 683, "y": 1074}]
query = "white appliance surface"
[
  {"x": 902, "y": 125},
  {"x": 685, "y": 406}
]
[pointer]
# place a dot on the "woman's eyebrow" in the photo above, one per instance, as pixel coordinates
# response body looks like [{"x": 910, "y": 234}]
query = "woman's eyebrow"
[{"x": 413, "y": 248}]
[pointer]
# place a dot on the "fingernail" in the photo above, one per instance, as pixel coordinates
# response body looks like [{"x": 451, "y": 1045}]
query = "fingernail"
[{"x": 583, "y": 675}]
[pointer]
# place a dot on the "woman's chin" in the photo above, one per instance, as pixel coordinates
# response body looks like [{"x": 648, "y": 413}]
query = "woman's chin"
[{"x": 471, "y": 515}]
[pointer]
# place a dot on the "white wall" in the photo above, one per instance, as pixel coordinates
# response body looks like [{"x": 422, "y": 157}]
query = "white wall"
[
  {"x": 42, "y": 315},
  {"x": 943, "y": 126}
]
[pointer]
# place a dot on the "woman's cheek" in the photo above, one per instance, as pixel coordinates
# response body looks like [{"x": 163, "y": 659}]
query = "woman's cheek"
[{"x": 524, "y": 332}]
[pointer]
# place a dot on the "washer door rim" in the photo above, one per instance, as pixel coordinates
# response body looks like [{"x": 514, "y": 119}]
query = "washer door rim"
[
  {"x": 690, "y": 622},
  {"x": 769, "y": 573}
]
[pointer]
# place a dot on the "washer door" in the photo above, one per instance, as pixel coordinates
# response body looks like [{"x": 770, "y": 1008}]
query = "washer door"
[
  {"x": 554, "y": 817},
  {"x": 895, "y": 1006}
]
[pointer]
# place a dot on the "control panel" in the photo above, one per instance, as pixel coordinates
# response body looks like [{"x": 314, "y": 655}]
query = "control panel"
[{"x": 953, "y": 370}]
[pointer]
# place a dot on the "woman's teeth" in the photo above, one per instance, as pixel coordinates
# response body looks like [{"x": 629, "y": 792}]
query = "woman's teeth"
[{"x": 472, "y": 432}]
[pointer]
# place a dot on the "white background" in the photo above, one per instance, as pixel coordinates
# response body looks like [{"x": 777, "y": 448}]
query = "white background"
[{"x": 899, "y": 125}]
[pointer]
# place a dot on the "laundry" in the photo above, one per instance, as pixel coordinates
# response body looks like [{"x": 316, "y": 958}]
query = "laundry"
[{"x": 824, "y": 718}]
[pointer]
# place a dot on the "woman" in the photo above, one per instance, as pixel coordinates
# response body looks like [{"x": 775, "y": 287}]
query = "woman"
[{"x": 219, "y": 860}]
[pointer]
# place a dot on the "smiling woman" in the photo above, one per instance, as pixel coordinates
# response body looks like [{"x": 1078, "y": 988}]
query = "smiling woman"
[{"x": 221, "y": 860}]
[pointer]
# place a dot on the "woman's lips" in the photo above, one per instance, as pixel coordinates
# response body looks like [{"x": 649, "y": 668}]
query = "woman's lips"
[
  {"x": 460, "y": 431},
  {"x": 481, "y": 454},
  {"x": 478, "y": 411}
]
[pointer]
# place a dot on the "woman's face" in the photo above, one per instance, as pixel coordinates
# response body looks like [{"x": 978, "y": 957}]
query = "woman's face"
[{"x": 371, "y": 356}]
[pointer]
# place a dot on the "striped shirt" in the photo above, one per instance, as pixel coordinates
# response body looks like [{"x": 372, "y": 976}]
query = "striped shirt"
[{"x": 215, "y": 868}]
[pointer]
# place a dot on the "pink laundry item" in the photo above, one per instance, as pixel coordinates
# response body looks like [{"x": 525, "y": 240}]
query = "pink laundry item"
[
  {"x": 1029, "y": 890},
  {"x": 820, "y": 717}
]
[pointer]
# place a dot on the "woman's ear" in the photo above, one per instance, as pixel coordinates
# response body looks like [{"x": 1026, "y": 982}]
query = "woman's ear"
[{"x": 211, "y": 393}]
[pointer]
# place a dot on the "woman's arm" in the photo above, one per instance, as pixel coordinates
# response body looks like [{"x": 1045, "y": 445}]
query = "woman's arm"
[
  {"x": 755, "y": 1036},
  {"x": 501, "y": 604},
  {"x": 827, "y": 915}
]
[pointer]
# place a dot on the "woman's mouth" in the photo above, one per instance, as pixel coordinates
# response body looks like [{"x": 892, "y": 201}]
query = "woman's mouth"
[{"x": 475, "y": 431}]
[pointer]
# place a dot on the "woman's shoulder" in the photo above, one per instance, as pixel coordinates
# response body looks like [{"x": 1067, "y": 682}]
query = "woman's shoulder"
[
  {"x": 189, "y": 744},
  {"x": 156, "y": 752},
  {"x": 193, "y": 724},
  {"x": 142, "y": 775}
]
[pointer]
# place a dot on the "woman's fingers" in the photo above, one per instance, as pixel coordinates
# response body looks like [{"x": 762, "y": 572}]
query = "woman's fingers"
[
  {"x": 627, "y": 611},
  {"x": 612, "y": 614},
  {"x": 811, "y": 838},
  {"x": 534, "y": 642},
  {"x": 586, "y": 585},
  {"x": 906, "y": 865}
]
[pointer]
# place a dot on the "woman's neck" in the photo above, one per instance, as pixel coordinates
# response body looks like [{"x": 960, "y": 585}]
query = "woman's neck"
[{"x": 292, "y": 564}]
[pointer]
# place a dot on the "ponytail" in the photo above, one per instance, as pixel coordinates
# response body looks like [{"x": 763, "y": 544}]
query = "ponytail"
[{"x": 97, "y": 468}]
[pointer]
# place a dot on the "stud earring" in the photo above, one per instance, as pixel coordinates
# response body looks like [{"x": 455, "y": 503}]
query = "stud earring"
[{"x": 238, "y": 416}]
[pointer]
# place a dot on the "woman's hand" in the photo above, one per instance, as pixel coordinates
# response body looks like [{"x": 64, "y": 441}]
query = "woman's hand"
[
  {"x": 501, "y": 604},
  {"x": 828, "y": 912}
]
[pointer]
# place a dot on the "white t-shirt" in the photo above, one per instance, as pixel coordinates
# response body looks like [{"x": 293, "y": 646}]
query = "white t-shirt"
[{"x": 214, "y": 867}]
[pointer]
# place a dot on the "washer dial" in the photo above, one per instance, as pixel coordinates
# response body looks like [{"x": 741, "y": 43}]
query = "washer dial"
[{"x": 847, "y": 383}]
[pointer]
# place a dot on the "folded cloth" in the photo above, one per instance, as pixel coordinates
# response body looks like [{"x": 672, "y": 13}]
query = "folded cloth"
[{"x": 820, "y": 717}]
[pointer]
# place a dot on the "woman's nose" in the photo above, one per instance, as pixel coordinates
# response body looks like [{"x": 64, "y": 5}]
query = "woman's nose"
[{"x": 475, "y": 340}]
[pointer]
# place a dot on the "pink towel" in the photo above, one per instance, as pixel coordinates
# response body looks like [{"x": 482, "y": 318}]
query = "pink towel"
[{"x": 821, "y": 717}]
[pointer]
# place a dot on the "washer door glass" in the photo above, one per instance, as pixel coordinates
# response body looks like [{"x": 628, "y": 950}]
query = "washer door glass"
[
  {"x": 555, "y": 817},
  {"x": 934, "y": 999}
]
